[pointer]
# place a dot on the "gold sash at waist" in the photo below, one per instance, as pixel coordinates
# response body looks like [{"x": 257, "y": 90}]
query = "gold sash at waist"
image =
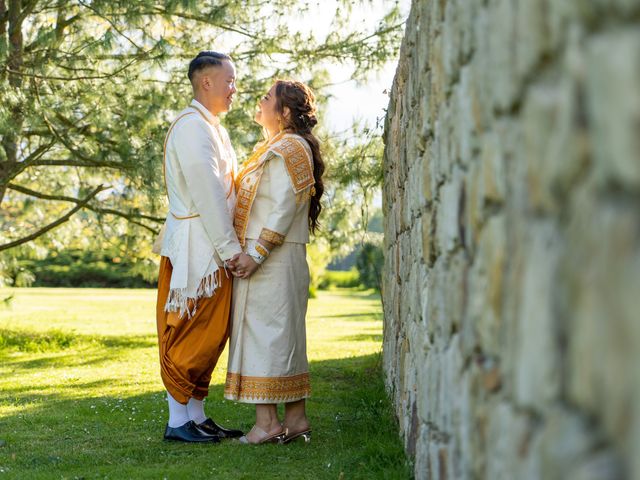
[{"x": 184, "y": 218}]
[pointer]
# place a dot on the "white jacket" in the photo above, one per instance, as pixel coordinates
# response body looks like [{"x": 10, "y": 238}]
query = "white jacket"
[{"x": 199, "y": 166}]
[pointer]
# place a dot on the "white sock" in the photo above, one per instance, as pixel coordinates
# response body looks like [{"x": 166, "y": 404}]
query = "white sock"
[
  {"x": 178, "y": 414},
  {"x": 195, "y": 408}
]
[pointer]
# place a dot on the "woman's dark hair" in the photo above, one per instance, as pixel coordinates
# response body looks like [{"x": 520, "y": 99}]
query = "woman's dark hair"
[
  {"x": 301, "y": 102},
  {"x": 205, "y": 59}
]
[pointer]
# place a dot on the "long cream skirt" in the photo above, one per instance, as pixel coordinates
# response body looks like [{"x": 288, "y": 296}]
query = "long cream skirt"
[{"x": 268, "y": 345}]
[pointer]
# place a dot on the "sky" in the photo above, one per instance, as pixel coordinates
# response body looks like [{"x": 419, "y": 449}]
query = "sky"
[
  {"x": 350, "y": 100},
  {"x": 366, "y": 101}
]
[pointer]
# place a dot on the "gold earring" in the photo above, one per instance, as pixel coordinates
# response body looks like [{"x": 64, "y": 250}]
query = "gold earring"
[{"x": 280, "y": 124}]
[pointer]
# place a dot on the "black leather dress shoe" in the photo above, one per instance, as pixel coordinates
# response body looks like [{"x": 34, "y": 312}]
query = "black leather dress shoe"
[
  {"x": 189, "y": 432},
  {"x": 212, "y": 428}
]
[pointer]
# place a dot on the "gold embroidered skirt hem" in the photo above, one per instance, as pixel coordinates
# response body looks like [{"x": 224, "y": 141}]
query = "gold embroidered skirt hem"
[
  {"x": 247, "y": 389},
  {"x": 268, "y": 345}
]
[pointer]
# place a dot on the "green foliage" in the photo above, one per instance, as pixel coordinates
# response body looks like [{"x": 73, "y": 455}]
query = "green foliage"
[
  {"x": 339, "y": 279},
  {"x": 354, "y": 176},
  {"x": 318, "y": 256},
  {"x": 369, "y": 263},
  {"x": 88, "y": 90},
  {"x": 79, "y": 268},
  {"x": 96, "y": 275}
]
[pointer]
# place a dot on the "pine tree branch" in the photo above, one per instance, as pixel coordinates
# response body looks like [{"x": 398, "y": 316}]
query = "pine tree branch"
[
  {"x": 202, "y": 19},
  {"x": 132, "y": 217},
  {"x": 55, "y": 223},
  {"x": 70, "y": 78},
  {"x": 110, "y": 22},
  {"x": 16, "y": 168},
  {"x": 84, "y": 160},
  {"x": 71, "y": 162}
]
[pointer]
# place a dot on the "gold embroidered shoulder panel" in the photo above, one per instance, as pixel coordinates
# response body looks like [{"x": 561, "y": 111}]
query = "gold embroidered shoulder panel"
[{"x": 298, "y": 161}]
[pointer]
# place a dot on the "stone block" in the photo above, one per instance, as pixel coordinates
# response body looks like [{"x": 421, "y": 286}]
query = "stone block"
[
  {"x": 465, "y": 130},
  {"x": 551, "y": 143},
  {"x": 429, "y": 373},
  {"x": 425, "y": 107},
  {"x": 467, "y": 16},
  {"x": 451, "y": 42},
  {"x": 427, "y": 237},
  {"x": 397, "y": 212},
  {"x": 488, "y": 286},
  {"x": 438, "y": 320},
  {"x": 448, "y": 389},
  {"x": 481, "y": 69},
  {"x": 444, "y": 160},
  {"x": 538, "y": 360},
  {"x": 390, "y": 232},
  {"x": 625, "y": 7},
  {"x": 423, "y": 46},
  {"x": 492, "y": 169},
  {"x": 531, "y": 36},
  {"x": 601, "y": 465},
  {"x": 473, "y": 208},
  {"x": 601, "y": 274},
  {"x": 509, "y": 439},
  {"x": 448, "y": 226},
  {"x": 613, "y": 98},
  {"x": 421, "y": 467},
  {"x": 416, "y": 192},
  {"x": 566, "y": 439},
  {"x": 455, "y": 297},
  {"x": 415, "y": 235},
  {"x": 438, "y": 88},
  {"x": 463, "y": 429},
  {"x": 501, "y": 66}
]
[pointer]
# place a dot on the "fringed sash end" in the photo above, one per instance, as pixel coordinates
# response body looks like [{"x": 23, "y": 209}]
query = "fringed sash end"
[{"x": 179, "y": 301}]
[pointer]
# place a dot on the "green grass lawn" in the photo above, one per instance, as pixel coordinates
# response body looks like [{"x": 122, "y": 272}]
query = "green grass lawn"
[{"x": 81, "y": 395}]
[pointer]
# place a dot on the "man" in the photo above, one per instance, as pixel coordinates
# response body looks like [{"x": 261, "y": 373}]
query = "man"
[{"x": 194, "y": 289}]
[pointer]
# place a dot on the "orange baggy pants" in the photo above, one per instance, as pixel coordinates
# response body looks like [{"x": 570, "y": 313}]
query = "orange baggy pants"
[{"x": 190, "y": 347}]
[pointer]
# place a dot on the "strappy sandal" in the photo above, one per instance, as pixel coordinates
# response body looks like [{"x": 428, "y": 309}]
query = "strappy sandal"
[
  {"x": 266, "y": 438},
  {"x": 304, "y": 435}
]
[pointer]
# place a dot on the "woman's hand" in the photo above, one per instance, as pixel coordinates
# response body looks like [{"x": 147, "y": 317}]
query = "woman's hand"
[{"x": 243, "y": 266}]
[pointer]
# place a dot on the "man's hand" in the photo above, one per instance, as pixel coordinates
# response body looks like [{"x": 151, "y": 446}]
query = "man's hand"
[
  {"x": 242, "y": 265},
  {"x": 231, "y": 263}
]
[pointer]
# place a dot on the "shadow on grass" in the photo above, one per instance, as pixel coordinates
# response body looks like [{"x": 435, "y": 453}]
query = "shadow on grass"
[
  {"x": 56, "y": 340},
  {"x": 363, "y": 337},
  {"x": 84, "y": 354},
  {"x": 362, "y": 294},
  {"x": 65, "y": 434}
]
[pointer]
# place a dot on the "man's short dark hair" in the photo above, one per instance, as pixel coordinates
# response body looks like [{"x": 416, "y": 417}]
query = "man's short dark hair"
[{"x": 205, "y": 59}]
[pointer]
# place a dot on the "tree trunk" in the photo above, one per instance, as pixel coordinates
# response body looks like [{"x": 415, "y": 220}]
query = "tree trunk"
[
  {"x": 3, "y": 29},
  {"x": 15, "y": 42},
  {"x": 14, "y": 64}
]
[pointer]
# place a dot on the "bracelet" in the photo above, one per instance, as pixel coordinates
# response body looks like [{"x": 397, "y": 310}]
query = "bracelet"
[{"x": 257, "y": 251}]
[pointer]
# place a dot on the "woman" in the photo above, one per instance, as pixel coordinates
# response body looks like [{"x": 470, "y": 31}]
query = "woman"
[{"x": 279, "y": 190}]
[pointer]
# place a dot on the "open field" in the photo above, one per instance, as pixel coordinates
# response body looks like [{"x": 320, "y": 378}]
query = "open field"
[{"x": 81, "y": 396}]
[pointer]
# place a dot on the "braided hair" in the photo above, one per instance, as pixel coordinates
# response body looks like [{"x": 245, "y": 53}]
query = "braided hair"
[{"x": 301, "y": 102}]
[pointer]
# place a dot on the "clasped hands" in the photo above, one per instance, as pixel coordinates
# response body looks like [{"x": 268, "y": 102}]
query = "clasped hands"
[{"x": 242, "y": 265}]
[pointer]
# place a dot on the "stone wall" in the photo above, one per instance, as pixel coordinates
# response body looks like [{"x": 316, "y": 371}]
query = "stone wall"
[{"x": 512, "y": 239}]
